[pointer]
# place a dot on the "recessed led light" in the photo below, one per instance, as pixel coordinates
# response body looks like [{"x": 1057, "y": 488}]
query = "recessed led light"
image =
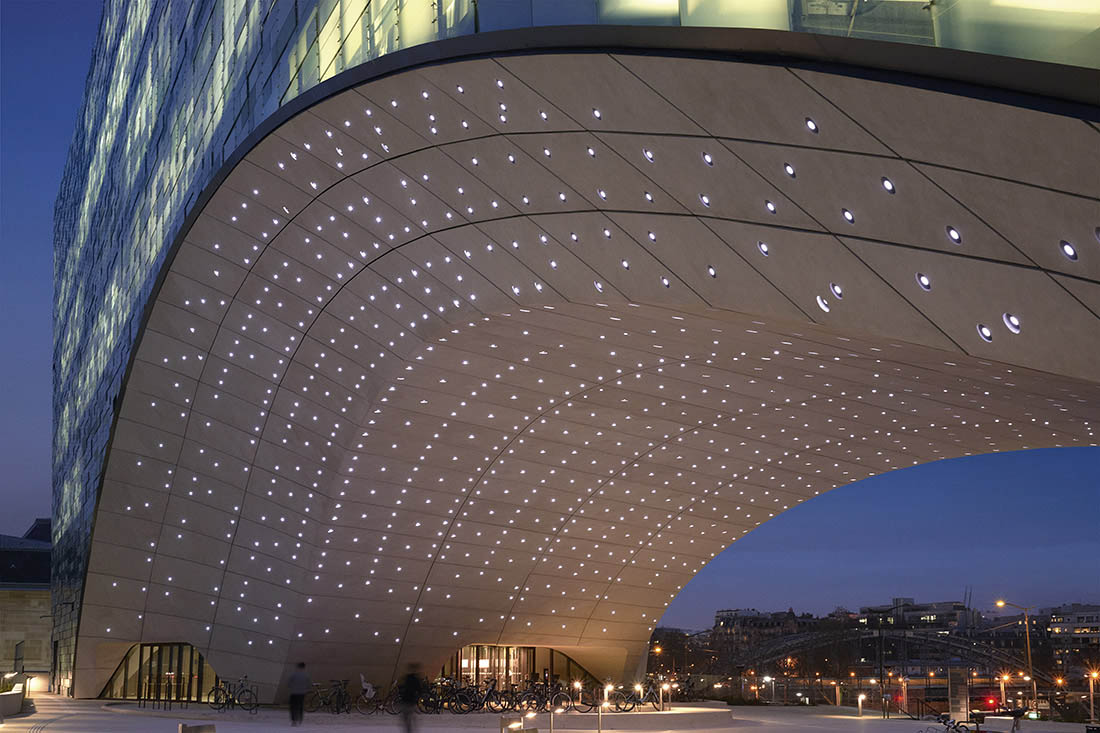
[
  {"x": 789, "y": 169},
  {"x": 652, "y": 237},
  {"x": 848, "y": 216},
  {"x": 500, "y": 84},
  {"x": 707, "y": 159},
  {"x": 763, "y": 247},
  {"x": 626, "y": 265},
  {"x": 836, "y": 290},
  {"x": 822, "y": 304},
  {"x": 888, "y": 185},
  {"x": 543, "y": 115},
  {"x": 596, "y": 113},
  {"x": 811, "y": 125},
  {"x": 598, "y": 285},
  {"x": 924, "y": 281},
  {"x": 769, "y": 206},
  {"x": 1012, "y": 323},
  {"x": 665, "y": 282},
  {"x": 592, "y": 152},
  {"x": 1068, "y": 250},
  {"x": 705, "y": 199},
  {"x": 648, "y": 196},
  {"x": 711, "y": 271},
  {"x": 985, "y": 333},
  {"x": 460, "y": 89},
  {"x": 953, "y": 235}
]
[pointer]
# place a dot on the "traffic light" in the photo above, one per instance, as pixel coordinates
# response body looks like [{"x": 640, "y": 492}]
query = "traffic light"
[{"x": 991, "y": 702}]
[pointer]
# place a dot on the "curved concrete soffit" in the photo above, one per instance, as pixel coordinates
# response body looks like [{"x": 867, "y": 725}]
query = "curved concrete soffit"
[{"x": 505, "y": 349}]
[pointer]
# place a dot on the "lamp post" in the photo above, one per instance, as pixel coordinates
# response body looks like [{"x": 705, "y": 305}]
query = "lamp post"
[
  {"x": 1092, "y": 707},
  {"x": 661, "y": 696},
  {"x": 772, "y": 680},
  {"x": 860, "y": 700},
  {"x": 1004, "y": 702},
  {"x": 1027, "y": 637}
]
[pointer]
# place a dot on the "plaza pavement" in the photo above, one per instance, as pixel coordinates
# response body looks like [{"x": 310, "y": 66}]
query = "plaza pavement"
[{"x": 61, "y": 715}]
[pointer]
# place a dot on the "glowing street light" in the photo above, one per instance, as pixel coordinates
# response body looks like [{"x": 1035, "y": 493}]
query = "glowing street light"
[
  {"x": 772, "y": 680},
  {"x": 1093, "y": 675},
  {"x": 860, "y": 700},
  {"x": 1027, "y": 636}
]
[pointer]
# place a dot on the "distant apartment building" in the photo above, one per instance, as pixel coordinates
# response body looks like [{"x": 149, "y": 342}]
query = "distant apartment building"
[
  {"x": 1074, "y": 634},
  {"x": 740, "y": 628},
  {"x": 907, "y": 613}
]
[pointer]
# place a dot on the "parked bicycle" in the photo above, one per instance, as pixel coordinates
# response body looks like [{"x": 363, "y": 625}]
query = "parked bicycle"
[
  {"x": 624, "y": 702},
  {"x": 944, "y": 724},
  {"x": 224, "y": 696},
  {"x": 335, "y": 697},
  {"x": 369, "y": 701}
]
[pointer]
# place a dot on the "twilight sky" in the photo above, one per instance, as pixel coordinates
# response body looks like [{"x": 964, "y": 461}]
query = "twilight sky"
[{"x": 1022, "y": 525}]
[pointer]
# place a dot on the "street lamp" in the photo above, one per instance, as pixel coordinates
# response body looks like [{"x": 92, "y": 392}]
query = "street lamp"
[
  {"x": 1092, "y": 706},
  {"x": 1027, "y": 636},
  {"x": 860, "y": 700},
  {"x": 1004, "y": 703}
]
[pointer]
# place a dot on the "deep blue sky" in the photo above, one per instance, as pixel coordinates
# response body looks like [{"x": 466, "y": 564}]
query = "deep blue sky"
[{"x": 1024, "y": 525}]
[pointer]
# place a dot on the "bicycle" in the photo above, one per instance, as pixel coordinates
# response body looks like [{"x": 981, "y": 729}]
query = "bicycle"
[
  {"x": 335, "y": 697},
  {"x": 368, "y": 702},
  {"x": 224, "y": 695},
  {"x": 578, "y": 699},
  {"x": 625, "y": 702},
  {"x": 949, "y": 725}
]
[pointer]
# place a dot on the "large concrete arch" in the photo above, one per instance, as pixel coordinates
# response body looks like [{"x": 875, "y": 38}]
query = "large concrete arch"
[{"x": 504, "y": 348}]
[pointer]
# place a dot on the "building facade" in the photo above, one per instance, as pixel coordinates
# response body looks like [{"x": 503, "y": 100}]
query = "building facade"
[
  {"x": 215, "y": 133},
  {"x": 25, "y": 623},
  {"x": 906, "y": 613},
  {"x": 1074, "y": 634},
  {"x": 739, "y": 629}
]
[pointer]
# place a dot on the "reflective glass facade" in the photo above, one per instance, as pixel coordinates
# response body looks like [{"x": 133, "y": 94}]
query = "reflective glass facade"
[{"x": 175, "y": 86}]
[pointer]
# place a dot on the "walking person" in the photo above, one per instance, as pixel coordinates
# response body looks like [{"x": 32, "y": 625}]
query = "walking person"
[
  {"x": 298, "y": 685},
  {"x": 408, "y": 693}
]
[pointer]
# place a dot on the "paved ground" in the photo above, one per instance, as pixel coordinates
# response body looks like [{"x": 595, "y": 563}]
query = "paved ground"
[{"x": 60, "y": 715}]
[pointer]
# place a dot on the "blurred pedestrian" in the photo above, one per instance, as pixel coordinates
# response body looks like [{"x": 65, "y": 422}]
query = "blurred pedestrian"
[
  {"x": 408, "y": 694},
  {"x": 298, "y": 685}
]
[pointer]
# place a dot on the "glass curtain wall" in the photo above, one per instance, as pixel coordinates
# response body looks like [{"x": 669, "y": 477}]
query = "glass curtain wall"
[
  {"x": 476, "y": 664},
  {"x": 163, "y": 672}
]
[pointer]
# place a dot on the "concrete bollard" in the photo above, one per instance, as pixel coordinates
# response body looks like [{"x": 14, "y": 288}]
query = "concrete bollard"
[{"x": 205, "y": 728}]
